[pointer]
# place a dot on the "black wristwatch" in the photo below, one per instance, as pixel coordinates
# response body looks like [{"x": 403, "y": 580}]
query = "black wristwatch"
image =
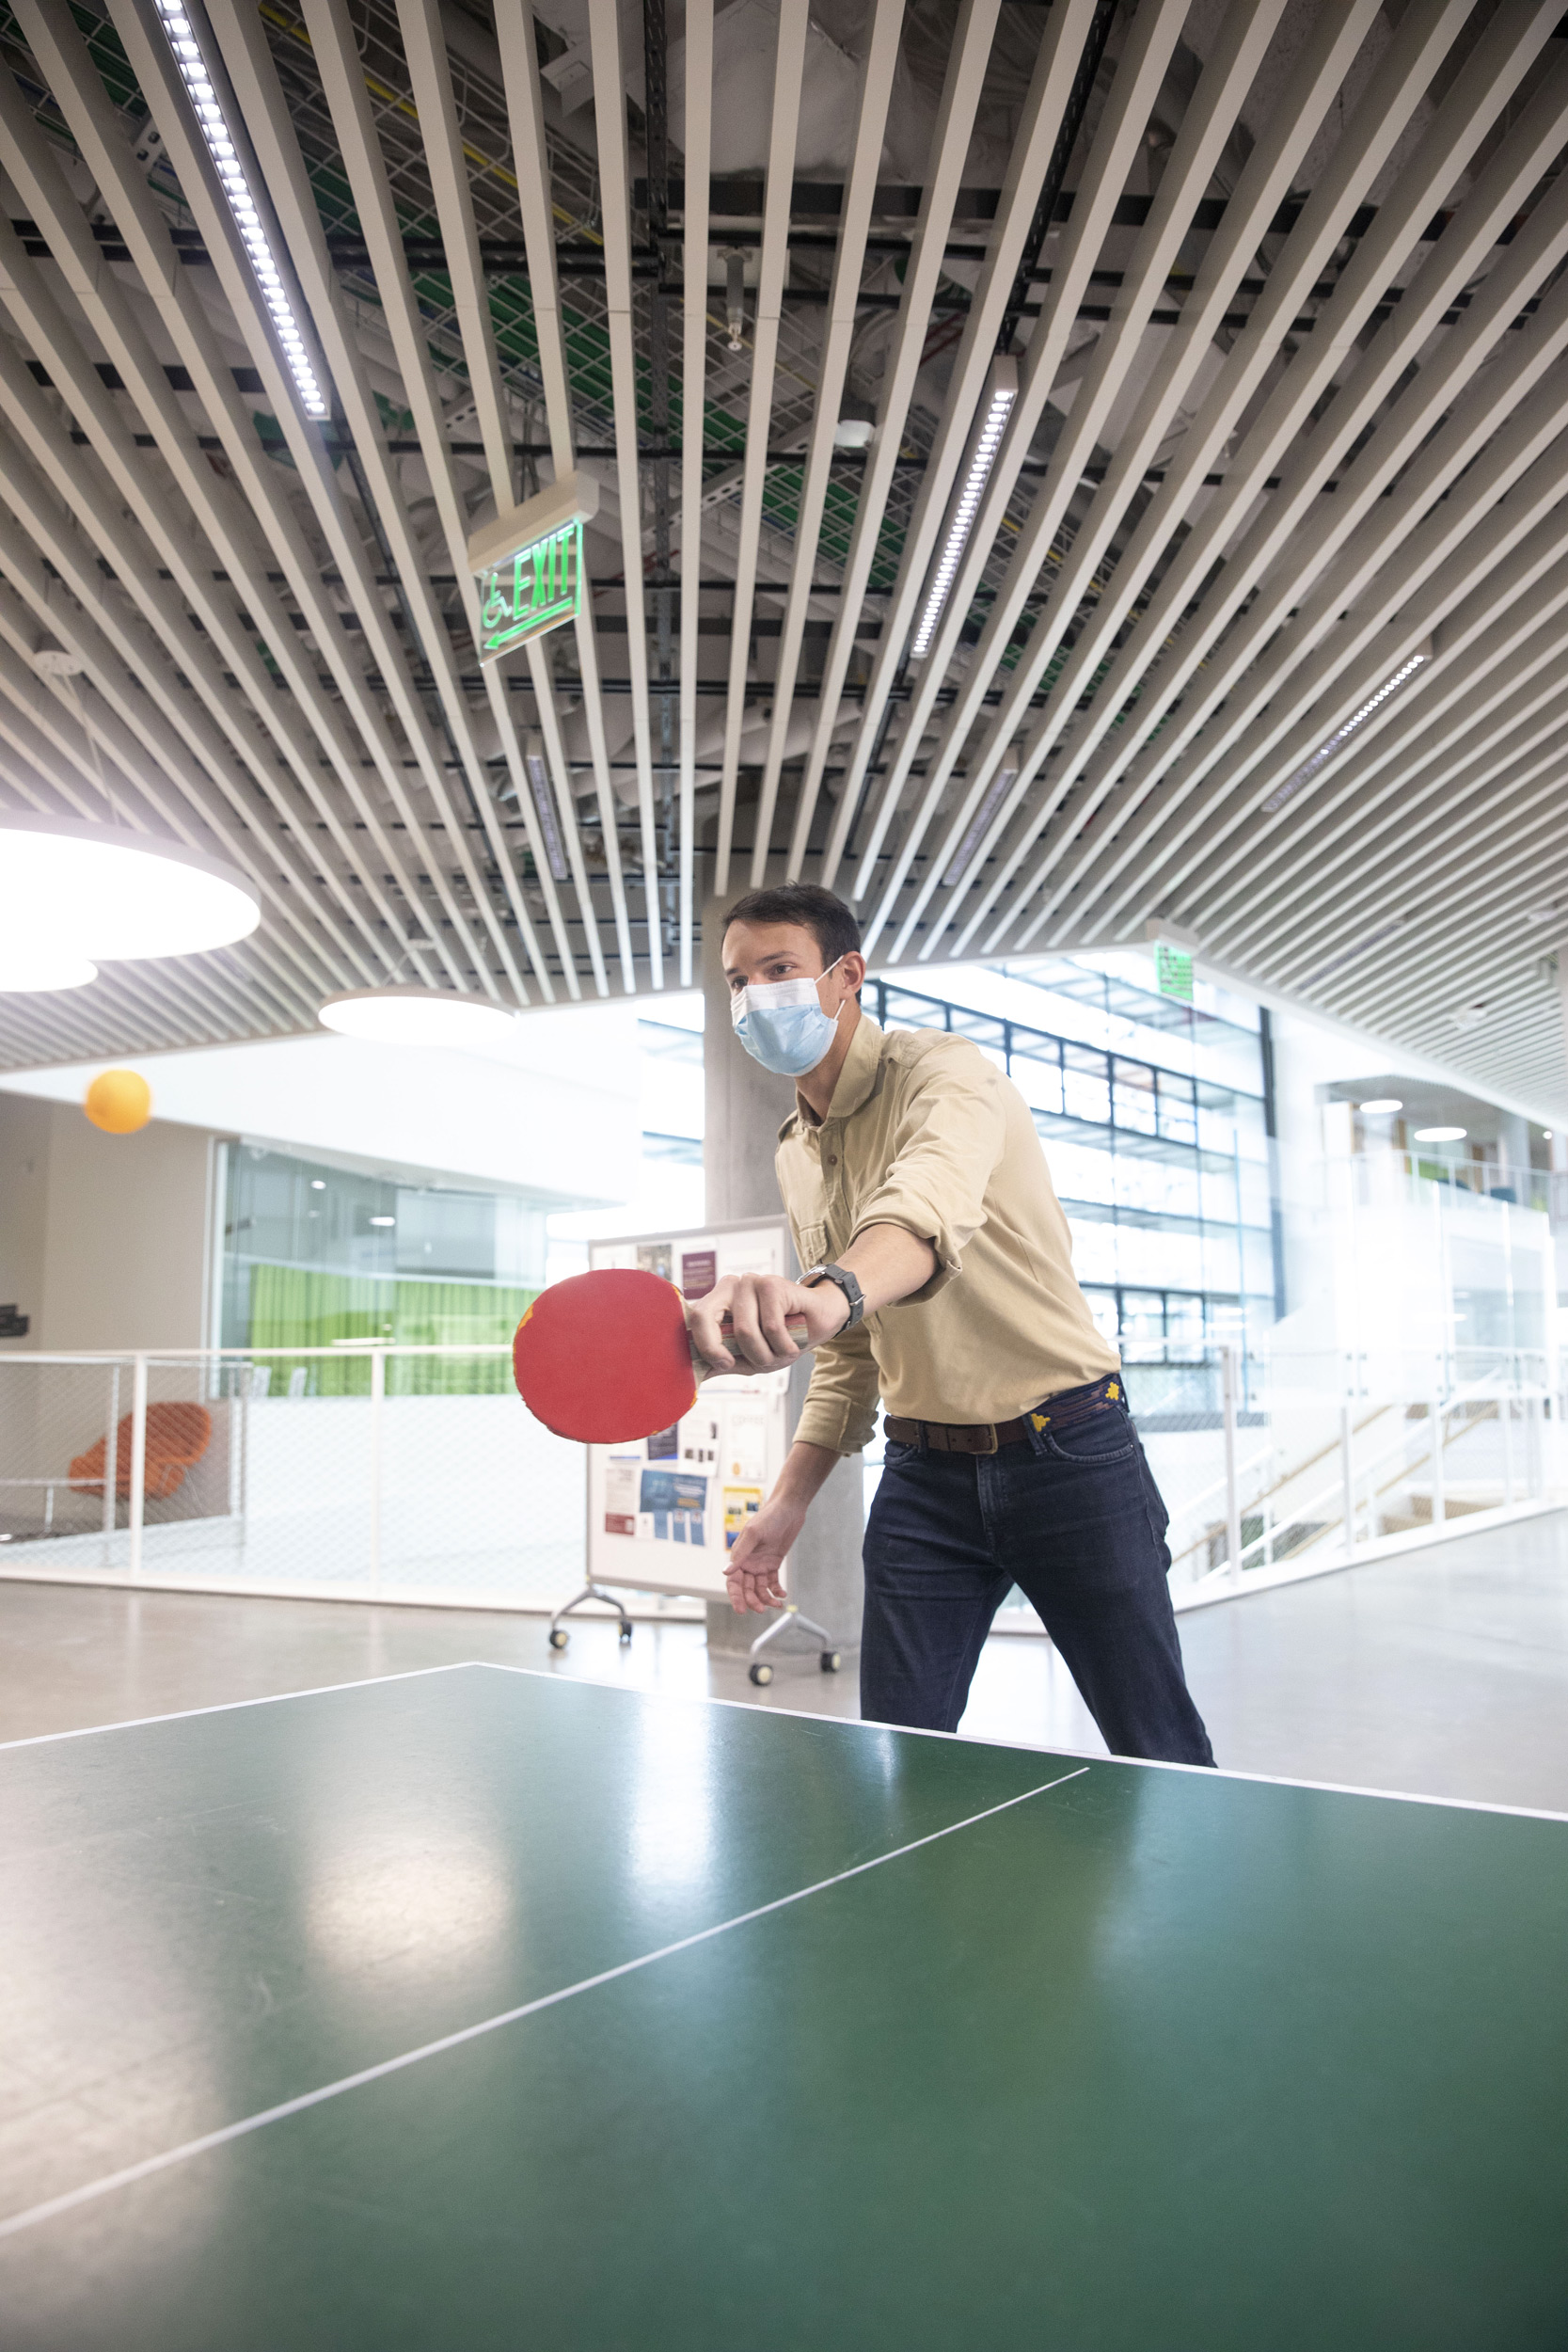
[{"x": 842, "y": 1279}]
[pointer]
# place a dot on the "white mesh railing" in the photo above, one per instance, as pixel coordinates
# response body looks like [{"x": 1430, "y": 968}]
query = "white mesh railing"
[
  {"x": 410, "y": 1473},
  {"x": 376, "y": 1472}
]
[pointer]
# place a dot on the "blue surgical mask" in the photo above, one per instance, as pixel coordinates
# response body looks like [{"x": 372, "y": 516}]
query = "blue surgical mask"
[{"x": 782, "y": 1026}]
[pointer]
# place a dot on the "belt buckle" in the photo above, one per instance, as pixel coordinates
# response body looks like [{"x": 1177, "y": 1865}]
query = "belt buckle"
[{"x": 989, "y": 1429}]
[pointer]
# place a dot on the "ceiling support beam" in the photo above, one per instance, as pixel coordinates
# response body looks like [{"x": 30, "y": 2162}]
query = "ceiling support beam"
[
  {"x": 973, "y": 35},
  {"x": 609, "y": 122},
  {"x": 875, "y": 95},
  {"x": 525, "y": 105},
  {"x": 698, "y": 148},
  {"x": 788, "y": 69}
]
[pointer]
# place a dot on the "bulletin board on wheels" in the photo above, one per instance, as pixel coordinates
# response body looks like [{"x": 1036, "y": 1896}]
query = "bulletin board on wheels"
[{"x": 664, "y": 1512}]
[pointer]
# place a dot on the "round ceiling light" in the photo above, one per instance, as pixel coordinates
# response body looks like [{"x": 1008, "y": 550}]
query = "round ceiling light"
[
  {"x": 77, "y": 894},
  {"x": 1385, "y": 1108},
  {"x": 419, "y": 1016},
  {"x": 1440, "y": 1135},
  {"x": 28, "y": 967}
]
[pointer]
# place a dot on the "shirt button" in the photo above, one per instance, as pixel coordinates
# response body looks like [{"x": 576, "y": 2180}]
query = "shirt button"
[{"x": 832, "y": 1159}]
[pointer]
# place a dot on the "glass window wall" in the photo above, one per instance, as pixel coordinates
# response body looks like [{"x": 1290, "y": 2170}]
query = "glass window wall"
[
  {"x": 1151, "y": 1114},
  {"x": 318, "y": 1255}
]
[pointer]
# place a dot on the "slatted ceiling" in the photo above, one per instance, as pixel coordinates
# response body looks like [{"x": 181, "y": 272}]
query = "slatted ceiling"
[{"x": 1289, "y": 413}]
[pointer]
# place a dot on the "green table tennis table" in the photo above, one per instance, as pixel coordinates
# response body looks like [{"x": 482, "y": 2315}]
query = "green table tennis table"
[{"x": 480, "y": 2007}]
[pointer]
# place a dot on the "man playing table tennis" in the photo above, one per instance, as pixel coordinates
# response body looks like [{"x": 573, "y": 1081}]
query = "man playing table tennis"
[{"x": 937, "y": 1275}]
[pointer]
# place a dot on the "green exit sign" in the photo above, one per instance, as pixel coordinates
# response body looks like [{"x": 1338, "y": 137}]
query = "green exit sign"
[
  {"x": 1173, "y": 970},
  {"x": 527, "y": 565},
  {"x": 539, "y": 589}
]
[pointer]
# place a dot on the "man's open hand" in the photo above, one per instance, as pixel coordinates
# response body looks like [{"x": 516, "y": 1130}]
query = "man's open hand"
[
  {"x": 760, "y": 1305},
  {"x": 755, "y": 1570}
]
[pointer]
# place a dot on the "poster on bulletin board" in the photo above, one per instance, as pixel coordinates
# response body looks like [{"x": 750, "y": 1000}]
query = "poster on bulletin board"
[{"x": 665, "y": 1512}]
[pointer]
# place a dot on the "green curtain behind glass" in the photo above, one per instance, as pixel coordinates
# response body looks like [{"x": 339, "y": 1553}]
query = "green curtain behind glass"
[{"x": 297, "y": 1306}]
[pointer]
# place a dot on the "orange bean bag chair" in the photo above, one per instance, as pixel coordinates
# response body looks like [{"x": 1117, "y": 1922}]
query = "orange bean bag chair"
[{"x": 177, "y": 1438}]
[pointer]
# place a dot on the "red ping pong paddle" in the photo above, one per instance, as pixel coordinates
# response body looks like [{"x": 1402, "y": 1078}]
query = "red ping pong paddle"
[{"x": 604, "y": 1358}]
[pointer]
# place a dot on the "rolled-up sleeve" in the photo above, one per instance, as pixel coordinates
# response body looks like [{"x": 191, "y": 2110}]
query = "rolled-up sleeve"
[
  {"x": 951, "y": 1135},
  {"x": 840, "y": 1410}
]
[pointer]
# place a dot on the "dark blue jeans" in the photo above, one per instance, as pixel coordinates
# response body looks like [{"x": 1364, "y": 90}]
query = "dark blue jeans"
[{"x": 1077, "y": 1521}]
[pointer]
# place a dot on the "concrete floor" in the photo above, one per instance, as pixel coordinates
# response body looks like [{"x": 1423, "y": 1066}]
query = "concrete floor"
[{"x": 1441, "y": 1673}]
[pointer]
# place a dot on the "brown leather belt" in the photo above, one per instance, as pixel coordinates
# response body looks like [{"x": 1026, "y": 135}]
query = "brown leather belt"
[{"x": 985, "y": 1436}]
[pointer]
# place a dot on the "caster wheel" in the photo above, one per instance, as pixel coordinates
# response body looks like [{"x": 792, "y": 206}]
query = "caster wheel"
[
  {"x": 559, "y": 1637},
  {"x": 626, "y": 1635},
  {"x": 762, "y": 1676},
  {"x": 830, "y": 1661}
]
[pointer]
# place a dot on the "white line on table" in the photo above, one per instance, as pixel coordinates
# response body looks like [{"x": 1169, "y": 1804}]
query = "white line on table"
[{"x": 169, "y": 2156}]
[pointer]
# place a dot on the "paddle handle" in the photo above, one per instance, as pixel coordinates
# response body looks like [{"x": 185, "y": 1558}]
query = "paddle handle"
[{"x": 794, "y": 1325}]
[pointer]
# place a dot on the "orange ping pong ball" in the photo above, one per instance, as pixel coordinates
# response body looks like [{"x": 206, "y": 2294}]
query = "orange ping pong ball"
[{"x": 119, "y": 1101}]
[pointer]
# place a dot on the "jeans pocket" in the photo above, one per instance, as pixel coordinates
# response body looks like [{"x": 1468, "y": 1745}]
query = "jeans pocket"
[{"x": 1100, "y": 1438}]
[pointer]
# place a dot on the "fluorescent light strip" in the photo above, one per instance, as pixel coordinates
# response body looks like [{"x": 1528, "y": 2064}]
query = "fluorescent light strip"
[
  {"x": 1325, "y": 751},
  {"x": 545, "y": 804},
  {"x": 1001, "y": 784},
  {"x": 181, "y": 36},
  {"x": 995, "y": 410}
]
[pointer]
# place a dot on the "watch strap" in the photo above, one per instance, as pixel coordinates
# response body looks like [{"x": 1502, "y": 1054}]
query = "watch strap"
[{"x": 841, "y": 1280}]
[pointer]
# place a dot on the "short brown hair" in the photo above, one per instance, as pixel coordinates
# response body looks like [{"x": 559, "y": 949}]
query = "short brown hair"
[{"x": 831, "y": 923}]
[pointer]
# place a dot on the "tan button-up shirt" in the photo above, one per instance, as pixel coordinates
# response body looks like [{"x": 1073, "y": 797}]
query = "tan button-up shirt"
[{"x": 925, "y": 1132}]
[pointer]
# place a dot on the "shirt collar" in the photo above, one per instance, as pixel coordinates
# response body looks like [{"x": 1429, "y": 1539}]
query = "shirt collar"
[{"x": 856, "y": 1080}]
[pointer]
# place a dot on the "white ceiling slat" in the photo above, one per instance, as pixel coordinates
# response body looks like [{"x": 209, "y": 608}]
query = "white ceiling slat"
[
  {"x": 972, "y": 36},
  {"x": 1401, "y": 847},
  {"x": 1209, "y": 120},
  {"x": 1297, "y": 945},
  {"x": 1397, "y": 843},
  {"x": 699, "y": 155},
  {"x": 788, "y": 68},
  {"x": 1240, "y": 867},
  {"x": 136, "y": 745},
  {"x": 344, "y": 83},
  {"x": 430, "y": 73},
  {"x": 1265, "y": 182},
  {"x": 73, "y": 555},
  {"x": 1491, "y": 437},
  {"x": 97, "y": 130},
  {"x": 1390, "y": 98},
  {"x": 1473, "y": 627},
  {"x": 1389, "y": 784},
  {"x": 1492, "y": 72},
  {"x": 1484, "y": 214},
  {"x": 1140, "y": 70},
  {"x": 873, "y": 99},
  {"x": 41, "y": 183},
  {"x": 1484, "y": 842},
  {"x": 155, "y": 70},
  {"x": 519, "y": 56},
  {"x": 316, "y": 473},
  {"x": 76, "y": 378},
  {"x": 243, "y": 38},
  {"x": 80, "y": 761},
  {"x": 609, "y": 111}
]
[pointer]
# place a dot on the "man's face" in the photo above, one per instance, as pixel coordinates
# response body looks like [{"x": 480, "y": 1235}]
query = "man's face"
[{"x": 755, "y": 953}]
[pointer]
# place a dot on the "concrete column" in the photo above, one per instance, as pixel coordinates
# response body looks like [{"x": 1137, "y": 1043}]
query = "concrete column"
[{"x": 744, "y": 1106}]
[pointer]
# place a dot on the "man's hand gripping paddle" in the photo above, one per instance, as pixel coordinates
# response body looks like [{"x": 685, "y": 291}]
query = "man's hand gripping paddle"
[{"x": 606, "y": 1357}]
